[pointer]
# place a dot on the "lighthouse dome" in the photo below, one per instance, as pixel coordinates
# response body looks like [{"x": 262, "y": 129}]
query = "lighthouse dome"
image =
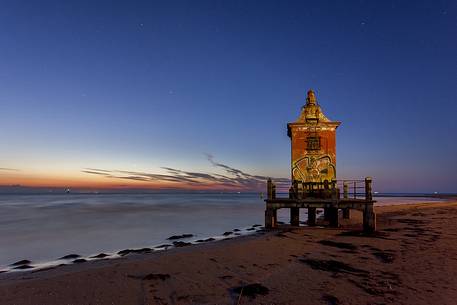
[{"x": 311, "y": 111}]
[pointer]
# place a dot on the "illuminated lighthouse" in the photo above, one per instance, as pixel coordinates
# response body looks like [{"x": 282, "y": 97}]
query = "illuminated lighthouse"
[
  {"x": 313, "y": 171},
  {"x": 313, "y": 144}
]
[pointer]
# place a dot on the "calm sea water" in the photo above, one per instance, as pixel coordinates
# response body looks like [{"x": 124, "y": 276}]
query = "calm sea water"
[{"x": 43, "y": 228}]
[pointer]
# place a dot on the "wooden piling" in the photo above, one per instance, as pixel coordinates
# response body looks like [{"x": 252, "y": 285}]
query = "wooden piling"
[
  {"x": 326, "y": 214},
  {"x": 333, "y": 185},
  {"x": 270, "y": 218},
  {"x": 333, "y": 211},
  {"x": 368, "y": 194},
  {"x": 333, "y": 217},
  {"x": 270, "y": 214},
  {"x": 311, "y": 216},
  {"x": 355, "y": 189},
  {"x": 292, "y": 194},
  {"x": 326, "y": 210},
  {"x": 296, "y": 190},
  {"x": 346, "y": 211},
  {"x": 345, "y": 190},
  {"x": 369, "y": 216},
  {"x": 295, "y": 216}
]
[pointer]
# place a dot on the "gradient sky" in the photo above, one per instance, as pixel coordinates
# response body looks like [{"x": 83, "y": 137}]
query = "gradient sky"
[{"x": 131, "y": 87}]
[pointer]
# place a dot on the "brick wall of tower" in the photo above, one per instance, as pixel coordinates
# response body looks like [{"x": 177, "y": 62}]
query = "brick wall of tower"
[{"x": 313, "y": 165}]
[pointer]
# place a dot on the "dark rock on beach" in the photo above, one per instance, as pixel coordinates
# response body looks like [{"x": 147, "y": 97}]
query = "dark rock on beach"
[
  {"x": 174, "y": 237},
  {"x": 138, "y": 251},
  {"x": 22, "y": 262},
  {"x": 70, "y": 256},
  {"x": 164, "y": 246},
  {"x": 181, "y": 244},
  {"x": 227, "y": 233},
  {"x": 79, "y": 261},
  {"x": 101, "y": 255},
  {"x": 142, "y": 250},
  {"x": 124, "y": 252}
]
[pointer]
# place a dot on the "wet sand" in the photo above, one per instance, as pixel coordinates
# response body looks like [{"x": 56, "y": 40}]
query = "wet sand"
[{"x": 412, "y": 259}]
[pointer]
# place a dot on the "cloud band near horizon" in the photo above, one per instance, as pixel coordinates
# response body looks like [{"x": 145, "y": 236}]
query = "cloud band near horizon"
[{"x": 232, "y": 178}]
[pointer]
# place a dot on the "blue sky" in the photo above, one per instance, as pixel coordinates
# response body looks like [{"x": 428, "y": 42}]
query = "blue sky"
[{"x": 141, "y": 85}]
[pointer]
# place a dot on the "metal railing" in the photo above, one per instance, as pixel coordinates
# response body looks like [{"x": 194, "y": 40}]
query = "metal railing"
[
  {"x": 356, "y": 189},
  {"x": 352, "y": 188}
]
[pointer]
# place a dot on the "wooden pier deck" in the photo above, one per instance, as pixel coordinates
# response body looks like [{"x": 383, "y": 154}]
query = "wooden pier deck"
[{"x": 325, "y": 196}]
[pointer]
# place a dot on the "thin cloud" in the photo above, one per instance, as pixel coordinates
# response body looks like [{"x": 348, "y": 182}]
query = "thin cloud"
[
  {"x": 8, "y": 169},
  {"x": 94, "y": 172},
  {"x": 98, "y": 170},
  {"x": 232, "y": 179}
]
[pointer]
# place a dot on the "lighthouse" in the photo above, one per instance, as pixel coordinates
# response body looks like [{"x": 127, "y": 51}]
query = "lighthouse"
[
  {"x": 313, "y": 172},
  {"x": 313, "y": 144}
]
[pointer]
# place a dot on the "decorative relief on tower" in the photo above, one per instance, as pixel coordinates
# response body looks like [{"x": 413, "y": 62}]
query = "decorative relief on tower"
[{"x": 314, "y": 169}]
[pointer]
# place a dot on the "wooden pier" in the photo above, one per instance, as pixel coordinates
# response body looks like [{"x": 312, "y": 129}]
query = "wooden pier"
[{"x": 322, "y": 195}]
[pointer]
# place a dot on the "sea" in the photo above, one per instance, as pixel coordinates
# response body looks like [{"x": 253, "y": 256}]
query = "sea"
[{"x": 43, "y": 228}]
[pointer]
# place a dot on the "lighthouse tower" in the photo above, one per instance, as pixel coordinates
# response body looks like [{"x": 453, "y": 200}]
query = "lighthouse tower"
[
  {"x": 313, "y": 170},
  {"x": 313, "y": 140}
]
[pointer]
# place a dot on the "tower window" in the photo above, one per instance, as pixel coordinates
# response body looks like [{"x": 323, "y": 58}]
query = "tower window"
[{"x": 313, "y": 143}]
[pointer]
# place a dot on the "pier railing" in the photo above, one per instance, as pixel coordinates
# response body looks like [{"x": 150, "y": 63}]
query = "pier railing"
[
  {"x": 348, "y": 188},
  {"x": 356, "y": 189}
]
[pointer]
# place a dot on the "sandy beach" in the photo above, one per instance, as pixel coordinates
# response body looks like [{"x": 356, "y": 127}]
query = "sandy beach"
[{"x": 410, "y": 260}]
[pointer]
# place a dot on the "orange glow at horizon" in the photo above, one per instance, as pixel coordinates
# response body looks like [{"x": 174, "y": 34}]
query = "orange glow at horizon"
[
  {"x": 213, "y": 176},
  {"x": 82, "y": 181}
]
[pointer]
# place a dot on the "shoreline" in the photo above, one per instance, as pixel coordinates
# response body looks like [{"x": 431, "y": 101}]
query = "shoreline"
[
  {"x": 409, "y": 260},
  {"x": 24, "y": 264}
]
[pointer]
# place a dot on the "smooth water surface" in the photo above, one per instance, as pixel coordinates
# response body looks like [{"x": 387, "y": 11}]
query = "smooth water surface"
[{"x": 45, "y": 227}]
